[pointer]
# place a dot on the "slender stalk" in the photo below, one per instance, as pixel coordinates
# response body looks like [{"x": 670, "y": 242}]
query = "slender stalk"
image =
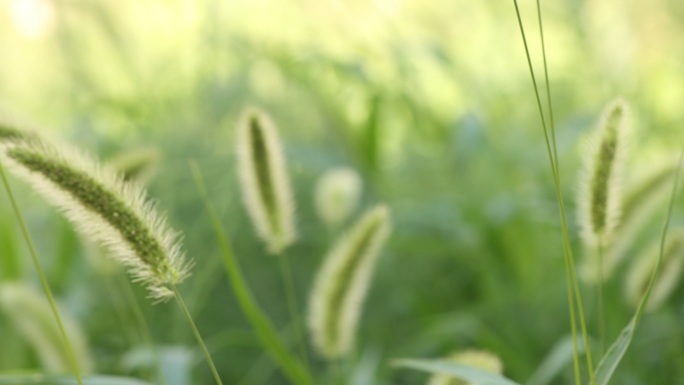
[
  {"x": 145, "y": 331},
  {"x": 293, "y": 305},
  {"x": 601, "y": 311},
  {"x": 571, "y": 274},
  {"x": 663, "y": 238},
  {"x": 43, "y": 280},
  {"x": 290, "y": 366},
  {"x": 197, "y": 334}
]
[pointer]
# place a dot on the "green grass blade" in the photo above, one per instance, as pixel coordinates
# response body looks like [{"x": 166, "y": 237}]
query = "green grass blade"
[
  {"x": 463, "y": 372},
  {"x": 268, "y": 335},
  {"x": 614, "y": 355},
  {"x": 68, "y": 349},
  {"x": 559, "y": 358}
]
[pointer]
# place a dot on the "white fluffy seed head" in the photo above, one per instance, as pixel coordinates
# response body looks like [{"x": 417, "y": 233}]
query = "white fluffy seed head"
[
  {"x": 600, "y": 200},
  {"x": 639, "y": 275},
  {"x": 479, "y": 359},
  {"x": 105, "y": 209},
  {"x": 342, "y": 283},
  {"x": 264, "y": 180},
  {"x": 337, "y": 195}
]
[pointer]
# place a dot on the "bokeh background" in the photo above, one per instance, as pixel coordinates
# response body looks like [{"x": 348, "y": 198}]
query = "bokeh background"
[{"x": 430, "y": 101}]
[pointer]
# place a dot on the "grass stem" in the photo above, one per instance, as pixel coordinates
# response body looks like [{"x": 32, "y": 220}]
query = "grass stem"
[
  {"x": 263, "y": 327},
  {"x": 293, "y": 305},
  {"x": 551, "y": 148},
  {"x": 43, "y": 280},
  {"x": 197, "y": 334}
]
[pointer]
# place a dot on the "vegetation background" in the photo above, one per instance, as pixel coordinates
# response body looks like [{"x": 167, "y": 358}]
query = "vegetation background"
[{"x": 430, "y": 101}]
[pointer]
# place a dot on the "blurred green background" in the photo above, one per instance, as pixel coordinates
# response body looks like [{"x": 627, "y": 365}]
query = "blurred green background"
[{"x": 430, "y": 101}]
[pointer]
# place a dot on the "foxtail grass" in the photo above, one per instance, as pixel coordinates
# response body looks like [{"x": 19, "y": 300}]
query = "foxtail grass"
[
  {"x": 342, "y": 283},
  {"x": 337, "y": 195},
  {"x": 105, "y": 209},
  {"x": 264, "y": 180},
  {"x": 474, "y": 358},
  {"x": 111, "y": 212},
  {"x": 267, "y": 197},
  {"x": 600, "y": 199}
]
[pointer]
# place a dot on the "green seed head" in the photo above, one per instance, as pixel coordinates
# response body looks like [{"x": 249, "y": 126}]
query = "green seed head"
[
  {"x": 342, "y": 282},
  {"x": 264, "y": 180},
  {"x": 600, "y": 198},
  {"x": 104, "y": 208}
]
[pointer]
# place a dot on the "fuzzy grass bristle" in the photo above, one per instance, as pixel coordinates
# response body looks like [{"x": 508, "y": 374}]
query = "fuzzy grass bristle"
[
  {"x": 104, "y": 208},
  {"x": 342, "y": 283},
  {"x": 264, "y": 180}
]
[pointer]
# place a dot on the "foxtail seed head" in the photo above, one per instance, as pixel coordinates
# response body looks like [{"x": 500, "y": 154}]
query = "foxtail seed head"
[
  {"x": 600, "y": 189},
  {"x": 639, "y": 275},
  {"x": 337, "y": 194},
  {"x": 342, "y": 283},
  {"x": 264, "y": 180},
  {"x": 138, "y": 165},
  {"x": 105, "y": 209},
  {"x": 479, "y": 359}
]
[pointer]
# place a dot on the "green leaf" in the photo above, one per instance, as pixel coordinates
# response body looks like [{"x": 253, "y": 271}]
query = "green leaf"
[
  {"x": 560, "y": 357},
  {"x": 463, "y": 372},
  {"x": 41, "y": 379}
]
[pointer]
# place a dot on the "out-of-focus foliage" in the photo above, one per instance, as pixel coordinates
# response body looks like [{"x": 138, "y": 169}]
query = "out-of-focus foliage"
[{"x": 430, "y": 101}]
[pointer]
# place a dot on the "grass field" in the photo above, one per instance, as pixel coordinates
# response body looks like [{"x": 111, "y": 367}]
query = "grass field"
[{"x": 430, "y": 109}]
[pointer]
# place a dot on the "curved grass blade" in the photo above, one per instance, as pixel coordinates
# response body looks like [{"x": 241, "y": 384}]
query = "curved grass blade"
[
  {"x": 560, "y": 356},
  {"x": 614, "y": 355},
  {"x": 291, "y": 367},
  {"x": 463, "y": 372}
]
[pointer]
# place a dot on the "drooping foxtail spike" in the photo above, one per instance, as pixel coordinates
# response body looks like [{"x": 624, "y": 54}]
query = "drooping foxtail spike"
[{"x": 105, "y": 209}]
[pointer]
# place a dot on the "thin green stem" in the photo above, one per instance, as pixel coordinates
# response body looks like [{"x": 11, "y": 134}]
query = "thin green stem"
[
  {"x": 43, "y": 280},
  {"x": 601, "y": 311},
  {"x": 290, "y": 366},
  {"x": 197, "y": 334},
  {"x": 145, "y": 330},
  {"x": 293, "y": 305},
  {"x": 663, "y": 238},
  {"x": 571, "y": 275}
]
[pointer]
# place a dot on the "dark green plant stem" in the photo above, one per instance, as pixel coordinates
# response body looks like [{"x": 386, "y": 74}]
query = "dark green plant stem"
[
  {"x": 571, "y": 274},
  {"x": 293, "y": 304},
  {"x": 292, "y": 368},
  {"x": 197, "y": 334},
  {"x": 43, "y": 280}
]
